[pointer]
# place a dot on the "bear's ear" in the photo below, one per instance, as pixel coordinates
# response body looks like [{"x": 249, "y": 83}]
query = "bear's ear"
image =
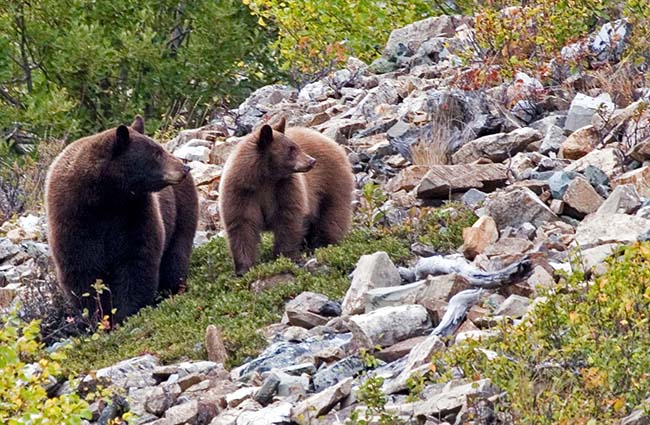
[
  {"x": 122, "y": 140},
  {"x": 279, "y": 126},
  {"x": 266, "y": 136},
  {"x": 138, "y": 124}
]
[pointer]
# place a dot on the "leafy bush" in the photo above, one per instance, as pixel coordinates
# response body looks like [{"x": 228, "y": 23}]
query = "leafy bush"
[
  {"x": 25, "y": 372},
  {"x": 314, "y": 36},
  {"x": 70, "y": 65},
  {"x": 579, "y": 357}
]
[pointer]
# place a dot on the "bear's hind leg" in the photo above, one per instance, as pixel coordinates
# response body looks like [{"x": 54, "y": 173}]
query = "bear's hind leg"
[
  {"x": 331, "y": 225},
  {"x": 174, "y": 266}
]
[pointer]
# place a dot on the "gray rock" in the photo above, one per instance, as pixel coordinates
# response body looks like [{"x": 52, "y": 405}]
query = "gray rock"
[
  {"x": 552, "y": 141},
  {"x": 496, "y": 147},
  {"x": 305, "y": 310},
  {"x": 136, "y": 372},
  {"x": 321, "y": 403},
  {"x": 389, "y": 325},
  {"x": 559, "y": 183},
  {"x": 596, "y": 176},
  {"x": 623, "y": 200},
  {"x": 608, "y": 160},
  {"x": 420, "y": 355},
  {"x": 161, "y": 398},
  {"x": 610, "y": 228},
  {"x": 581, "y": 198},
  {"x": 337, "y": 372},
  {"x": 516, "y": 207},
  {"x": 182, "y": 413},
  {"x": 275, "y": 414},
  {"x": 441, "y": 180},
  {"x": 283, "y": 354},
  {"x": 583, "y": 108},
  {"x": 473, "y": 198},
  {"x": 393, "y": 296},
  {"x": 406, "y": 41},
  {"x": 268, "y": 389},
  {"x": 7, "y": 249},
  {"x": 514, "y": 306},
  {"x": 372, "y": 271}
]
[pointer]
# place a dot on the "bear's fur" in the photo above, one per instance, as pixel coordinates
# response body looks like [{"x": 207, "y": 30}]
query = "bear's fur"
[
  {"x": 268, "y": 184},
  {"x": 123, "y": 210}
]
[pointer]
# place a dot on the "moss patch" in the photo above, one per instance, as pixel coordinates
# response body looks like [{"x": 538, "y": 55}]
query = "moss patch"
[{"x": 175, "y": 328}]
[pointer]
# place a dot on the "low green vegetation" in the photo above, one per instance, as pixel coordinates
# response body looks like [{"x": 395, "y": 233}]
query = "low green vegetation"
[
  {"x": 175, "y": 328},
  {"x": 25, "y": 371},
  {"x": 581, "y": 357}
]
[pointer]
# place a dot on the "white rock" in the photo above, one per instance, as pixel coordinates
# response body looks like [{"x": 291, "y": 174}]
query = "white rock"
[
  {"x": 583, "y": 108},
  {"x": 372, "y": 271},
  {"x": 389, "y": 325}
]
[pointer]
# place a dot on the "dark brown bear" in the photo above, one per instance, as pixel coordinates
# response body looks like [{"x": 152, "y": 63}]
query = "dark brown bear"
[
  {"x": 123, "y": 210},
  {"x": 268, "y": 184}
]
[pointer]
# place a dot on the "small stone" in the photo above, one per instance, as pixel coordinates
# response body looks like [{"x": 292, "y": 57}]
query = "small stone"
[
  {"x": 639, "y": 178},
  {"x": 623, "y": 200},
  {"x": 557, "y": 206},
  {"x": 579, "y": 143},
  {"x": 305, "y": 308},
  {"x": 194, "y": 150},
  {"x": 552, "y": 141},
  {"x": 441, "y": 288},
  {"x": 581, "y": 199},
  {"x": 214, "y": 345},
  {"x": 609, "y": 160},
  {"x": 514, "y": 306},
  {"x": 610, "y": 228},
  {"x": 235, "y": 398},
  {"x": 420, "y": 355},
  {"x": 473, "y": 198},
  {"x": 321, "y": 403},
  {"x": 479, "y": 236},
  {"x": 337, "y": 372},
  {"x": 399, "y": 350},
  {"x": 182, "y": 413},
  {"x": 407, "y": 179},
  {"x": 393, "y": 296}
]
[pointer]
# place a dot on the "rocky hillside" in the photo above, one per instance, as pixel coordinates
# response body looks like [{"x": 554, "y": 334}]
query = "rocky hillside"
[{"x": 557, "y": 177}]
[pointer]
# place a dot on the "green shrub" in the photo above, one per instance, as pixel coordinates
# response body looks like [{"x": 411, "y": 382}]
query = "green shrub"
[
  {"x": 579, "y": 357},
  {"x": 24, "y": 373},
  {"x": 314, "y": 36}
]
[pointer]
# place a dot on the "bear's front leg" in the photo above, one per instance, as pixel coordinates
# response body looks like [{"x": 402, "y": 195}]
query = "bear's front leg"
[
  {"x": 243, "y": 229},
  {"x": 133, "y": 285}
]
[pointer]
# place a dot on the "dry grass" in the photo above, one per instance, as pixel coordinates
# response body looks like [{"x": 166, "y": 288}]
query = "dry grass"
[
  {"x": 445, "y": 127},
  {"x": 22, "y": 181},
  {"x": 621, "y": 81}
]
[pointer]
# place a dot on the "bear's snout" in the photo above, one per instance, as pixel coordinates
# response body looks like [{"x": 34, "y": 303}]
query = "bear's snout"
[
  {"x": 177, "y": 175},
  {"x": 305, "y": 165}
]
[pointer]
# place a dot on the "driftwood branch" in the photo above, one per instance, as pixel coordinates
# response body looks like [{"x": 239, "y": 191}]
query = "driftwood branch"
[
  {"x": 439, "y": 265},
  {"x": 457, "y": 311}
]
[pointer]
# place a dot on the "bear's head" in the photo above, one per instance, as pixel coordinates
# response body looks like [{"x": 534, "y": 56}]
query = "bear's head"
[
  {"x": 137, "y": 163},
  {"x": 280, "y": 156}
]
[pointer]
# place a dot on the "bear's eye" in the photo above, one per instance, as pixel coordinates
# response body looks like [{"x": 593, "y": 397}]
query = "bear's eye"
[
  {"x": 292, "y": 151},
  {"x": 158, "y": 154}
]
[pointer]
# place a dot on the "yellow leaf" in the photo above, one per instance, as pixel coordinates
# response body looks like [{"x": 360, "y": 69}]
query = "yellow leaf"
[{"x": 261, "y": 22}]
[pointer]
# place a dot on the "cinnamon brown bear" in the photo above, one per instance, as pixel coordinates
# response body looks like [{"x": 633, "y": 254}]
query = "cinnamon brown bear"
[
  {"x": 123, "y": 210},
  {"x": 297, "y": 184}
]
